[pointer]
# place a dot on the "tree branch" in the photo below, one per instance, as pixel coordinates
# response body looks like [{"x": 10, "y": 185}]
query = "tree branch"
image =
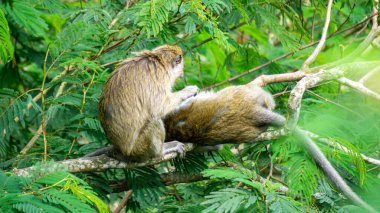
[
  {"x": 360, "y": 87},
  {"x": 367, "y": 76},
  {"x": 295, "y": 98},
  {"x": 123, "y": 202},
  {"x": 322, "y": 41},
  {"x": 103, "y": 162},
  {"x": 340, "y": 147}
]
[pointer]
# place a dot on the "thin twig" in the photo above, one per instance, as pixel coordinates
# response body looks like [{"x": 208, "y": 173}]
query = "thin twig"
[
  {"x": 348, "y": 17},
  {"x": 360, "y": 87},
  {"x": 367, "y": 76},
  {"x": 375, "y": 11},
  {"x": 212, "y": 38},
  {"x": 81, "y": 112},
  {"x": 332, "y": 102},
  {"x": 111, "y": 63},
  {"x": 264, "y": 80},
  {"x": 118, "y": 43},
  {"x": 340, "y": 147},
  {"x": 43, "y": 122},
  {"x": 267, "y": 147},
  {"x": 374, "y": 168},
  {"x": 313, "y": 25},
  {"x": 124, "y": 201},
  {"x": 32, "y": 141},
  {"x": 322, "y": 41}
]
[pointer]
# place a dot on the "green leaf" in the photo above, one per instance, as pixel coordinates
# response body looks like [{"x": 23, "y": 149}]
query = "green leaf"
[
  {"x": 189, "y": 25},
  {"x": 27, "y": 17},
  {"x": 6, "y": 46}
]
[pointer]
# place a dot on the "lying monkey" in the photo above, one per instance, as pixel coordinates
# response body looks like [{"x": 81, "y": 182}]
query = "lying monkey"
[
  {"x": 234, "y": 114},
  {"x": 239, "y": 114}
]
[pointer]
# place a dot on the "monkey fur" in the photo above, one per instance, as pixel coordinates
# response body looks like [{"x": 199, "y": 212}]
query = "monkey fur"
[
  {"x": 135, "y": 98},
  {"x": 234, "y": 114}
]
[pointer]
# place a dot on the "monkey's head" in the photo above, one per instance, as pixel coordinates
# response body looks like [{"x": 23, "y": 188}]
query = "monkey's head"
[{"x": 172, "y": 57}]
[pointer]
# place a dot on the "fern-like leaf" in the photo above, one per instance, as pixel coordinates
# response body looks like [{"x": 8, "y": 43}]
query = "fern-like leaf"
[
  {"x": 229, "y": 200},
  {"x": 26, "y": 16},
  {"x": 6, "y": 46}
]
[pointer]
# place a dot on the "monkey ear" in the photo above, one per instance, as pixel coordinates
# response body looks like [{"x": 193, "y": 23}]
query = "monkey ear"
[{"x": 265, "y": 117}]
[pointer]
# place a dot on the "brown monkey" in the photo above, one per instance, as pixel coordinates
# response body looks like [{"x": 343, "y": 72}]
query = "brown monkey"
[
  {"x": 234, "y": 114},
  {"x": 135, "y": 98}
]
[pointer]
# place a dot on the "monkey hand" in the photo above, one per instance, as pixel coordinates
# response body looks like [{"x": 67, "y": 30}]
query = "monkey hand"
[
  {"x": 174, "y": 146},
  {"x": 188, "y": 91}
]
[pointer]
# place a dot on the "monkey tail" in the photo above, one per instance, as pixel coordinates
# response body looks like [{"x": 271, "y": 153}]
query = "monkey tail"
[{"x": 329, "y": 170}]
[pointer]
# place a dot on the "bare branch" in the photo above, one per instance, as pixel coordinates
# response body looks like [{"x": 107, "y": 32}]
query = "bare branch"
[
  {"x": 369, "y": 75},
  {"x": 123, "y": 202},
  {"x": 360, "y": 87},
  {"x": 263, "y": 80},
  {"x": 321, "y": 43},
  {"x": 375, "y": 11},
  {"x": 295, "y": 98},
  {"x": 329, "y": 170},
  {"x": 340, "y": 147},
  {"x": 102, "y": 162}
]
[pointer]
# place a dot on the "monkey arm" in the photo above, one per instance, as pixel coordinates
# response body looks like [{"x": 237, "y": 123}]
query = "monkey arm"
[{"x": 180, "y": 96}]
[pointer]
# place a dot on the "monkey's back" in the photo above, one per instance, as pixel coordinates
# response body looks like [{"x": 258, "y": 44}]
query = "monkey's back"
[
  {"x": 133, "y": 95},
  {"x": 222, "y": 117}
]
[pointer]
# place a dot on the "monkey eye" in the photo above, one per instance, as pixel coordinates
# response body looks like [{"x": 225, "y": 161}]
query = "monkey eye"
[{"x": 178, "y": 59}]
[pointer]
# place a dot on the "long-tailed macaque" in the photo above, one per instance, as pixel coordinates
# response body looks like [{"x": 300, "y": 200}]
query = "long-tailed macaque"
[
  {"x": 234, "y": 114},
  {"x": 135, "y": 98}
]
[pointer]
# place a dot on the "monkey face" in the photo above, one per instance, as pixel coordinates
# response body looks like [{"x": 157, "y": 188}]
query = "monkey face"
[
  {"x": 177, "y": 65},
  {"x": 171, "y": 57}
]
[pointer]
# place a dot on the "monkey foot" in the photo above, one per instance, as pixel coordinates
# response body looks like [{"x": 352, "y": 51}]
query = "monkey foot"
[{"x": 174, "y": 146}]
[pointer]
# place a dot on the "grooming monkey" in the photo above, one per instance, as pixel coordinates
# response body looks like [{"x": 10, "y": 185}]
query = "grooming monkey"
[
  {"x": 135, "y": 98},
  {"x": 240, "y": 114}
]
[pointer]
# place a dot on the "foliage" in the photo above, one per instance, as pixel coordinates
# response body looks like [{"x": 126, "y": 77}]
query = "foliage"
[
  {"x": 56, "y": 55},
  {"x": 56, "y": 191}
]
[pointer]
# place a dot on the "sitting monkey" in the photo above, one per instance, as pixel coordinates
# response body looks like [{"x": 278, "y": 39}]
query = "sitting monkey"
[{"x": 135, "y": 98}]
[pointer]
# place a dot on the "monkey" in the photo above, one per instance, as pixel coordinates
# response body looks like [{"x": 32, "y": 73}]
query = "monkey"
[
  {"x": 239, "y": 114},
  {"x": 135, "y": 98},
  {"x": 233, "y": 114}
]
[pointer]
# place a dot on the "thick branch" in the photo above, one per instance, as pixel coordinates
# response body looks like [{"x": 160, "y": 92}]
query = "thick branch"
[
  {"x": 295, "y": 98},
  {"x": 102, "y": 162}
]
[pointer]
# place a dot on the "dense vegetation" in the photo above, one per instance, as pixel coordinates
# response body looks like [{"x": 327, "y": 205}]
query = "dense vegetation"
[{"x": 56, "y": 55}]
